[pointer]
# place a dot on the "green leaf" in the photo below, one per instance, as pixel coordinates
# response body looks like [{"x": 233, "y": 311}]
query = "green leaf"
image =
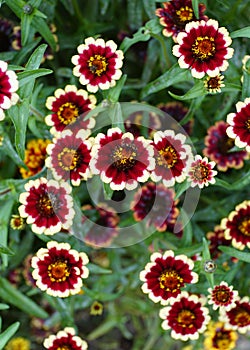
[
  {"x": 237, "y": 185},
  {"x": 241, "y": 33},
  {"x": 4, "y": 306},
  {"x": 8, "y": 333},
  {"x": 103, "y": 328},
  {"x": 243, "y": 256},
  {"x": 98, "y": 270},
  {"x": 6, "y": 210},
  {"x": 108, "y": 193},
  {"x": 14, "y": 297},
  {"x": 30, "y": 75},
  {"x": 116, "y": 116},
  {"x": 195, "y": 5},
  {"x": 7, "y": 56},
  {"x": 190, "y": 251},
  {"x": 19, "y": 115},
  {"x": 245, "y": 85},
  {"x": 25, "y": 27},
  {"x": 181, "y": 188},
  {"x": 6, "y": 250},
  {"x": 16, "y": 6},
  {"x": 142, "y": 34},
  {"x": 114, "y": 93},
  {"x": 9, "y": 150},
  {"x": 134, "y": 10},
  {"x": 153, "y": 26},
  {"x": 42, "y": 27},
  {"x": 196, "y": 91},
  {"x": 174, "y": 75},
  {"x": 149, "y": 7}
]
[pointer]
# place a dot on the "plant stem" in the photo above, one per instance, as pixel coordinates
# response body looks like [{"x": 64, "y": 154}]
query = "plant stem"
[{"x": 164, "y": 49}]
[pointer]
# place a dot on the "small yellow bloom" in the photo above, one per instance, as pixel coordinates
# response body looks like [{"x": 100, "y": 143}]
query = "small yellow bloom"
[
  {"x": 96, "y": 308},
  {"x": 219, "y": 338},
  {"x": 18, "y": 343},
  {"x": 17, "y": 222}
]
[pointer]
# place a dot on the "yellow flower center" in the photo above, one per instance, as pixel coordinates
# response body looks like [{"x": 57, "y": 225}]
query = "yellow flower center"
[
  {"x": 58, "y": 271},
  {"x": 186, "y": 318},
  {"x": 97, "y": 64},
  {"x": 124, "y": 156},
  {"x": 170, "y": 281},
  {"x": 64, "y": 347},
  {"x": 223, "y": 295},
  {"x": 167, "y": 157},
  {"x": 200, "y": 172},
  {"x": 244, "y": 227},
  {"x": 203, "y": 48},
  {"x": 68, "y": 159},
  {"x": 45, "y": 206},
  {"x": 213, "y": 83},
  {"x": 248, "y": 125},
  {"x": 185, "y": 14},
  {"x": 67, "y": 113}
]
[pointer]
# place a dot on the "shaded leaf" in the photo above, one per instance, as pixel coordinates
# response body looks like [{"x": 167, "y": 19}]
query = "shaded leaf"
[
  {"x": 195, "y": 5},
  {"x": 141, "y": 35},
  {"x": 30, "y": 75},
  {"x": 241, "y": 33},
  {"x": 196, "y": 91},
  {"x": 8, "y": 333},
  {"x": 6, "y": 250},
  {"x": 243, "y": 256}
]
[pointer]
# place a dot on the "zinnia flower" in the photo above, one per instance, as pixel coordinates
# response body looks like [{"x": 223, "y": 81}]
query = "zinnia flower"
[
  {"x": 214, "y": 84},
  {"x": 69, "y": 108},
  {"x": 69, "y": 157},
  {"x": 17, "y": 222},
  {"x": 165, "y": 275},
  {"x": 105, "y": 226},
  {"x": 47, "y": 205},
  {"x": 98, "y": 64},
  {"x": 237, "y": 318},
  {"x": 34, "y": 157},
  {"x": 203, "y": 48},
  {"x": 155, "y": 203},
  {"x": 239, "y": 125},
  {"x": 218, "y": 337},
  {"x": 222, "y": 296},
  {"x": 8, "y": 88},
  {"x": 186, "y": 317},
  {"x": 96, "y": 308},
  {"x": 176, "y": 14},
  {"x": 65, "y": 339},
  {"x": 200, "y": 172},
  {"x": 171, "y": 155},
  {"x": 59, "y": 270},
  {"x": 122, "y": 160},
  {"x": 237, "y": 226},
  {"x": 219, "y": 148}
]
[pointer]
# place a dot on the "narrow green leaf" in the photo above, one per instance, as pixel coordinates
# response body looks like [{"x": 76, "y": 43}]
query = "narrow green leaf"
[
  {"x": 42, "y": 27},
  {"x": 245, "y": 85},
  {"x": 174, "y": 75},
  {"x": 142, "y": 34},
  {"x": 195, "y": 5},
  {"x": 243, "y": 256},
  {"x": 6, "y": 210},
  {"x": 8, "y": 333},
  {"x": 237, "y": 185},
  {"x": 196, "y": 91},
  {"x": 30, "y": 75},
  {"x": 241, "y": 33},
  {"x": 181, "y": 188},
  {"x": 190, "y": 251},
  {"x": 6, "y": 250},
  {"x": 4, "y": 306},
  {"x": 149, "y": 7},
  {"x": 7, "y": 56},
  {"x": 98, "y": 270},
  {"x": 103, "y": 329},
  {"x": 16, "y": 6},
  {"x": 108, "y": 193},
  {"x": 206, "y": 252},
  {"x": 22, "y": 55},
  {"x": 114, "y": 93},
  {"x": 153, "y": 26},
  {"x": 134, "y": 9},
  {"x": 12, "y": 296},
  {"x": 104, "y": 4},
  {"x": 25, "y": 27},
  {"x": 115, "y": 114},
  {"x": 8, "y": 149}
]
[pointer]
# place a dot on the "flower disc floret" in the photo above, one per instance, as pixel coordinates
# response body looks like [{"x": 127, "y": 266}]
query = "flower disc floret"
[
  {"x": 237, "y": 318},
  {"x": 186, "y": 317},
  {"x": 200, "y": 172},
  {"x": 121, "y": 159},
  {"x": 219, "y": 148},
  {"x": 8, "y": 87},
  {"x": 222, "y": 296},
  {"x": 218, "y": 337},
  {"x": 203, "y": 48},
  {"x": 165, "y": 275},
  {"x": 237, "y": 226},
  {"x": 65, "y": 340},
  {"x": 171, "y": 156},
  {"x": 47, "y": 206},
  {"x": 69, "y": 108},
  {"x": 239, "y": 125},
  {"x": 59, "y": 270},
  {"x": 69, "y": 157},
  {"x": 98, "y": 64}
]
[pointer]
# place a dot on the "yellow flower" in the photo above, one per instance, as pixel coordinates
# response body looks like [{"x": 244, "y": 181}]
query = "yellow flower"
[
  {"x": 96, "y": 308},
  {"x": 34, "y": 159},
  {"x": 18, "y": 344},
  {"x": 219, "y": 338},
  {"x": 17, "y": 222}
]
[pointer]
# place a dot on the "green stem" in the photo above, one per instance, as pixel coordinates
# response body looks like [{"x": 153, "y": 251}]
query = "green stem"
[
  {"x": 164, "y": 48},
  {"x": 36, "y": 113},
  {"x": 77, "y": 10}
]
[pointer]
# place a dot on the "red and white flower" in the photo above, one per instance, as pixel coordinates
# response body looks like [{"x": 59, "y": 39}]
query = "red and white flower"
[
  {"x": 222, "y": 296},
  {"x": 59, "y": 270},
  {"x": 200, "y": 172},
  {"x": 219, "y": 148},
  {"x": 237, "y": 318},
  {"x": 176, "y": 14},
  {"x": 8, "y": 87},
  {"x": 218, "y": 337},
  {"x": 186, "y": 317},
  {"x": 203, "y": 48},
  {"x": 121, "y": 159},
  {"x": 214, "y": 84},
  {"x": 47, "y": 205},
  {"x": 239, "y": 124},
  {"x": 237, "y": 226},
  {"x": 69, "y": 157},
  {"x": 155, "y": 203},
  {"x": 165, "y": 275},
  {"x": 65, "y": 339},
  {"x": 69, "y": 107},
  {"x": 98, "y": 64},
  {"x": 171, "y": 156}
]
